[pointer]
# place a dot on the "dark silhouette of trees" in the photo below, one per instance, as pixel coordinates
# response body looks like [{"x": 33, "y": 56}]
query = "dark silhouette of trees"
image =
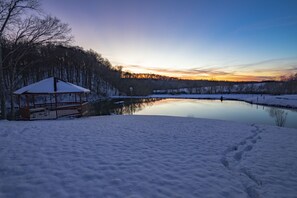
[
  {"x": 21, "y": 34},
  {"x": 27, "y": 34},
  {"x": 86, "y": 68},
  {"x": 11, "y": 12},
  {"x": 290, "y": 84}
]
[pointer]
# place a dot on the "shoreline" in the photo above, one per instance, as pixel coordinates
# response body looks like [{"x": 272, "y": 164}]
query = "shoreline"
[{"x": 282, "y": 101}]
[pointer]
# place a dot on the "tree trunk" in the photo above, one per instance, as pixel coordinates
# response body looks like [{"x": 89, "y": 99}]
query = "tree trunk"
[{"x": 2, "y": 87}]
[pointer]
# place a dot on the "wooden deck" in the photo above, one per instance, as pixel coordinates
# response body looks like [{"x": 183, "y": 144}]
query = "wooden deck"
[
  {"x": 45, "y": 113},
  {"x": 49, "y": 115}
]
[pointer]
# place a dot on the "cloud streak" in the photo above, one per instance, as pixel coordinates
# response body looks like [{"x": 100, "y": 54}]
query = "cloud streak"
[
  {"x": 285, "y": 66},
  {"x": 279, "y": 61}
]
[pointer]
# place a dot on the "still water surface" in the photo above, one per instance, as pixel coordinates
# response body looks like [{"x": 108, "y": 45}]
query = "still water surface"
[{"x": 213, "y": 109}]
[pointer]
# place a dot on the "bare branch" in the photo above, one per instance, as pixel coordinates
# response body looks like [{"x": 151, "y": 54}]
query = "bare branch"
[
  {"x": 36, "y": 30},
  {"x": 12, "y": 10}
]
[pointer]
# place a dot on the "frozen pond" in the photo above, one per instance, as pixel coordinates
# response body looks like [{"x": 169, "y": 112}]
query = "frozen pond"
[{"x": 214, "y": 109}]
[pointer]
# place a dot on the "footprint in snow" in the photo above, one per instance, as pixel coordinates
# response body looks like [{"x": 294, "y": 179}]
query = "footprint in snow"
[
  {"x": 251, "y": 176},
  {"x": 238, "y": 155},
  {"x": 24, "y": 130},
  {"x": 248, "y": 148},
  {"x": 254, "y": 141},
  {"x": 225, "y": 162},
  {"x": 252, "y": 192}
]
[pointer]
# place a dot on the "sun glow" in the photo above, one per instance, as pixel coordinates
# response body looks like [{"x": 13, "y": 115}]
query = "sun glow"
[
  {"x": 151, "y": 37},
  {"x": 208, "y": 74}
]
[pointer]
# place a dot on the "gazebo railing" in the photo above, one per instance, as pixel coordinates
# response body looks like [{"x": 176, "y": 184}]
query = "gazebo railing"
[{"x": 53, "y": 110}]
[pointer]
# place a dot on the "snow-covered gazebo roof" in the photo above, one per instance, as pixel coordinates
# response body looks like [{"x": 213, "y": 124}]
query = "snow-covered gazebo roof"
[{"x": 51, "y": 86}]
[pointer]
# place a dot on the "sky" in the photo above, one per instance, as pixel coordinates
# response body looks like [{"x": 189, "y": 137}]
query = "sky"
[{"x": 240, "y": 40}]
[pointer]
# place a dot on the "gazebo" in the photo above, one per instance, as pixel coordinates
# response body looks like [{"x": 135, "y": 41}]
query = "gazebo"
[{"x": 51, "y": 98}]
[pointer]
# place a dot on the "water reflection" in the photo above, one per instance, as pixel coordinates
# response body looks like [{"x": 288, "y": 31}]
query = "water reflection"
[
  {"x": 279, "y": 115},
  {"x": 212, "y": 109},
  {"x": 120, "y": 107}
]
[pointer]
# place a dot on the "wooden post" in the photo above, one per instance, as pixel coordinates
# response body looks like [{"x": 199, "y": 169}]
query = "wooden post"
[
  {"x": 55, "y": 90},
  {"x": 51, "y": 101},
  {"x": 27, "y": 102},
  {"x": 81, "y": 109},
  {"x": 33, "y": 97},
  {"x": 19, "y": 101},
  {"x": 56, "y": 104},
  {"x": 28, "y": 106}
]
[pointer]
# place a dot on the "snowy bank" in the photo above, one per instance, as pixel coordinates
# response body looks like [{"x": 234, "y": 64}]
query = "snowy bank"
[
  {"x": 146, "y": 156},
  {"x": 287, "y": 101}
]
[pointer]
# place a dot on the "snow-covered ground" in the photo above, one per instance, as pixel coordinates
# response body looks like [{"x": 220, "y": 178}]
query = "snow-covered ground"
[
  {"x": 289, "y": 101},
  {"x": 146, "y": 156}
]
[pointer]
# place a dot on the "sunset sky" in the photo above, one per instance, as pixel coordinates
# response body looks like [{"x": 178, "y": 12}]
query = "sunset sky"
[{"x": 211, "y": 39}]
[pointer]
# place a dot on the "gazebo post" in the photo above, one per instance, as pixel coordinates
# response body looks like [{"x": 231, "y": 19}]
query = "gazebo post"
[
  {"x": 81, "y": 109},
  {"x": 28, "y": 106},
  {"x": 33, "y": 97},
  {"x": 27, "y": 102},
  {"x": 50, "y": 100},
  {"x": 19, "y": 101},
  {"x": 56, "y": 104}
]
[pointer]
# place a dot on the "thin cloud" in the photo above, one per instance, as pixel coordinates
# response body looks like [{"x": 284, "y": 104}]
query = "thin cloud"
[
  {"x": 281, "y": 61},
  {"x": 192, "y": 71},
  {"x": 279, "y": 70},
  {"x": 236, "y": 73}
]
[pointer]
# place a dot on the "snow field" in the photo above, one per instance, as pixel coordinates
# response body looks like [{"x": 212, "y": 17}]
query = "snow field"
[{"x": 146, "y": 156}]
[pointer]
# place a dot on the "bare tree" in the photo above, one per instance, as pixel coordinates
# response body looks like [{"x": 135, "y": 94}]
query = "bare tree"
[
  {"x": 25, "y": 35},
  {"x": 279, "y": 115},
  {"x": 10, "y": 12}
]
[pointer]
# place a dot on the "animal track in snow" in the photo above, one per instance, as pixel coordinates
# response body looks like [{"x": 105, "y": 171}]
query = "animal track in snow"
[
  {"x": 252, "y": 192},
  {"x": 233, "y": 156},
  {"x": 238, "y": 155},
  {"x": 225, "y": 162},
  {"x": 248, "y": 148},
  {"x": 249, "y": 174}
]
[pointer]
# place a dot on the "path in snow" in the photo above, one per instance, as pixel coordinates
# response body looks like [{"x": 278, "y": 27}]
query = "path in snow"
[
  {"x": 146, "y": 156},
  {"x": 232, "y": 160}
]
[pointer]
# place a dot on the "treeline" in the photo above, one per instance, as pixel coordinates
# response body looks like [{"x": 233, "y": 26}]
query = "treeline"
[
  {"x": 73, "y": 64},
  {"x": 290, "y": 84},
  {"x": 167, "y": 85},
  {"x": 130, "y": 75}
]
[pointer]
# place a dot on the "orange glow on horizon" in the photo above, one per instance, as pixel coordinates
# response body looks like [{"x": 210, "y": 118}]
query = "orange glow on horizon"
[
  {"x": 231, "y": 78},
  {"x": 243, "y": 77}
]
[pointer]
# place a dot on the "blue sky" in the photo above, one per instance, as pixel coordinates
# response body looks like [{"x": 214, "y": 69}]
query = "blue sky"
[{"x": 214, "y": 39}]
